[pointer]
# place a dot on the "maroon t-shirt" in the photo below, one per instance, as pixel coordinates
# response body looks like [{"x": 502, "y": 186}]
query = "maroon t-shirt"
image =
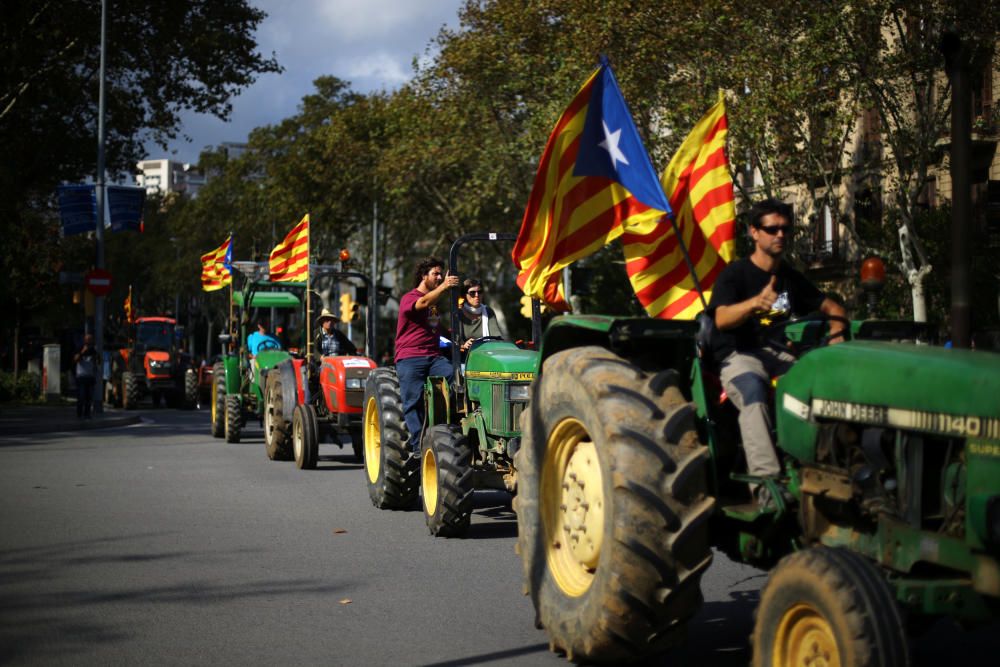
[{"x": 418, "y": 332}]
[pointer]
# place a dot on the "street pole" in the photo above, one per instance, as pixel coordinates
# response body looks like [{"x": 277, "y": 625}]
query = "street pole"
[
  {"x": 99, "y": 230},
  {"x": 959, "y": 72},
  {"x": 373, "y": 320}
]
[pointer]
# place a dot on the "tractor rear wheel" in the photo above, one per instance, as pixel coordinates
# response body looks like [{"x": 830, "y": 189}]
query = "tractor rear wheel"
[
  {"x": 446, "y": 480},
  {"x": 391, "y": 473},
  {"x": 277, "y": 428},
  {"x": 828, "y": 606},
  {"x": 234, "y": 419},
  {"x": 612, "y": 506},
  {"x": 190, "y": 390},
  {"x": 305, "y": 437},
  {"x": 130, "y": 391},
  {"x": 218, "y": 400}
]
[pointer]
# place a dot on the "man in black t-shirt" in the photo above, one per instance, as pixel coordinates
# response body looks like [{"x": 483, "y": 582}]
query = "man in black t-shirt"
[{"x": 750, "y": 295}]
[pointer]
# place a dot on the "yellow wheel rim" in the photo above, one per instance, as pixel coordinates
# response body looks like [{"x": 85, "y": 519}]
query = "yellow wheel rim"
[
  {"x": 429, "y": 481},
  {"x": 804, "y": 637},
  {"x": 215, "y": 398},
  {"x": 572, "y": 507},
  {"x": 373, "y": 441}
]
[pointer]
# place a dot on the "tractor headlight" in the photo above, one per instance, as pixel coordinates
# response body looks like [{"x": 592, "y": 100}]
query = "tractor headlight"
[
  {"x": 519, "y": 392},
  {"x": 353, "y": 383},
  {"x": 159, "y": 365}
]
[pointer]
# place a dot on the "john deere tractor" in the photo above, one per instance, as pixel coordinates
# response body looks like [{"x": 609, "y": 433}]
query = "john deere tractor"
[
  {"x": 238, "y": 379},
  {"x": 631, "y": 470},
  {"x": 307, "y": 403},
  {"x": 470, "y": 433}
]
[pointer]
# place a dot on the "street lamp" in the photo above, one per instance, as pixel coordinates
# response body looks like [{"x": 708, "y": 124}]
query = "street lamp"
[{"x": 872, "y": 281}]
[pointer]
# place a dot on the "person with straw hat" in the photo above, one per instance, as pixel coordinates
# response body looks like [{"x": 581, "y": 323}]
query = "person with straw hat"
[{"x": 330, "y": 342}]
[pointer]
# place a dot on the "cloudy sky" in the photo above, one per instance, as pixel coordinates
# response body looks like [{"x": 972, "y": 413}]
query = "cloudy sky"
[{"x": 370, "y": 43}]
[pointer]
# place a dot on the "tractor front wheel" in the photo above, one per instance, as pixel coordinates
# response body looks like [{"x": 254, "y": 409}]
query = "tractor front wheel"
[
  {"x": 446, "y": 480},
  {"x": 828, "y": 606},
  {"x": 305, "y": 437},
  {"x": 277, "y": 428},
  {"x": 391, "y": 473},
  {"x": 612, "y": 506},
  {"x": 190, "y": 390},
  {"x": 234, "y": 418},
  {"x": 130, "y": 391},
  {"x": 218, "y": 401}
]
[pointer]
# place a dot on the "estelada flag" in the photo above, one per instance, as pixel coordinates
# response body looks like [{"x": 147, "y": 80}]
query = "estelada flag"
[
  {"x": 129, "y": 311},
  {"x": 216, "y": 266},
  {"x": 700, "y": 188},
  {"x": 594, "y": 180},
  {"x": 289, "y": 260}
]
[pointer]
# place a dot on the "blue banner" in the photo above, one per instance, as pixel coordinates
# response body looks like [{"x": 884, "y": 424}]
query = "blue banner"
[
  {"x": 125, "y": 205},
  {"x": 77, "y": 209}
]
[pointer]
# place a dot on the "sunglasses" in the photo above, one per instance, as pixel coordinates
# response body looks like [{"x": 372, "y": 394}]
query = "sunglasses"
[
  {"x": 473, "y": 292},
  {"x": 774, "y": 229}
]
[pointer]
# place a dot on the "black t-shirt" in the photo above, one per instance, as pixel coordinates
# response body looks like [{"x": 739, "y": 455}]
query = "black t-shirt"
[{"x": 742, "y": 280}]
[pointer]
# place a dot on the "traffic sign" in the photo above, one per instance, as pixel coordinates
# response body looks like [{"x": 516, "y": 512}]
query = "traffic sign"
[{"x": 98, "y": 282}]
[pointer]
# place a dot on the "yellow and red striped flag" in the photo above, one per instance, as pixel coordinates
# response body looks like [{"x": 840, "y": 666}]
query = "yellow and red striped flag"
[
  {"x": 289, "y": 260},
  {"x": 216, "y": 266},
  {"x": 700, "y": 188},
  {"x": 129, "y": 311},
  {"x": 594, "y": 179}
]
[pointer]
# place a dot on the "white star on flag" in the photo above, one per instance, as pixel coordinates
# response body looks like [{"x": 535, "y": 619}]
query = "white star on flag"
[{"x": 610, "y": 144}]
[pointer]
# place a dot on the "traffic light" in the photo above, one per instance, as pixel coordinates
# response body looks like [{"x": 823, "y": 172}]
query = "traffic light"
[
  {"x": 345, "y": 307},
  {"x": 526, "y": 306}
]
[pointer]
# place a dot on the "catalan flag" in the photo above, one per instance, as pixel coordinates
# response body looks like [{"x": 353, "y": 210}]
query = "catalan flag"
[
  {"x": 129, "y": 310},
  {"x": 290, "y": 258},
  {"x": 700, "y": 189},
  {"x": 593, "y": 180},
  {"x": 216, "y": 267}
]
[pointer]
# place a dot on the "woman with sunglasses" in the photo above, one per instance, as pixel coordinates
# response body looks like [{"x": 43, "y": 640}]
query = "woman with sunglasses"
[{"x": 477, "y": 319}]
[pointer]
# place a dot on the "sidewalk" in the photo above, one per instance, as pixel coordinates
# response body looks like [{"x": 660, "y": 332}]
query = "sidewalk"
[{"x": 52, "y": 418}]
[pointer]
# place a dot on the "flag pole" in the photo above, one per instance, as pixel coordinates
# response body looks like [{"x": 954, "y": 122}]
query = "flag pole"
[{"x": 687, "y": 259}]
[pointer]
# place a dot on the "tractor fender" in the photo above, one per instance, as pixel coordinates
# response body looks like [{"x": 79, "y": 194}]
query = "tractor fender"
[{"x": 232, "y": 365}]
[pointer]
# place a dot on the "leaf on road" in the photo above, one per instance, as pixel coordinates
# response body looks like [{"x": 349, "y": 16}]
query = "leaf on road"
[
  {"x": 340, "y": 530},
  {"x": 346, "y": 601}
]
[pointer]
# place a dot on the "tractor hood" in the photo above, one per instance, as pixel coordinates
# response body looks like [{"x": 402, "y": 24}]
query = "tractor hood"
[
  {"x": 268, "y": 359},
  {"x": 501, "y": 361},
  {"x": 929, "y": 389}
]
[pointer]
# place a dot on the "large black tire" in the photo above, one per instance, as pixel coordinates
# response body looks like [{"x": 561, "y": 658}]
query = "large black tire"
[
  {"x": 393, "y": 476},
  {"x": 828, "y": 606},
  {"x": 130, "y": 391},
  {"x": 277, "y": 427},
  {"x": 218, "y": 400},
  {"x": 234, "y": 418},
  {"x": 357, "y": 434},
  {"x": 305, "y": 437},
  {"x": 612, "y": 507},
  {"x": 446, "y": 480},
  {"x": 190, "y": 390}
]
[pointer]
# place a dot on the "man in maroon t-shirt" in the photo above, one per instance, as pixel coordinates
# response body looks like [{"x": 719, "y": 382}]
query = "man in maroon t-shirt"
[{"x": 418, "y": 342}]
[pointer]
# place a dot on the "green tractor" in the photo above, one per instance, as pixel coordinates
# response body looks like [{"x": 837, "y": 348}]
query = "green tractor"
[
  {"x": 470, "y": 433},
  {"x": 238, "y": 380},
  {"x": 631, "y": 471}
]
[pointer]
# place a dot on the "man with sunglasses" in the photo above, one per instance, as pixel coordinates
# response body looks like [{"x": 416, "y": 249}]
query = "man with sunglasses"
[
  {"x": 750, "y": 295},
  {"x": 477, "y": 319}
]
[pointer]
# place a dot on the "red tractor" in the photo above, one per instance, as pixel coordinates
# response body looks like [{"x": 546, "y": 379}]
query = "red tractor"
[
  {"x": 153, "y": 365},
  {"x": 308, "y": 402}
]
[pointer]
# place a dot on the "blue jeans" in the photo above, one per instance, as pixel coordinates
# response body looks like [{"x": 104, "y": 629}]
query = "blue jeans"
[{"x": 412, "y": 373}]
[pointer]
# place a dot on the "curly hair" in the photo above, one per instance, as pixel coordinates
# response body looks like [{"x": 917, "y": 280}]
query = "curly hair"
[{"x": 424, "y": 267}]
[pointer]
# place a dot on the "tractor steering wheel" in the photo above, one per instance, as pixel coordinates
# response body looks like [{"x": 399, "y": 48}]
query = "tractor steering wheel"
[
  {"x": 799, "y": 349},
  {"x": 268, "y": 344},
  {"x": 476, "y": 342}
]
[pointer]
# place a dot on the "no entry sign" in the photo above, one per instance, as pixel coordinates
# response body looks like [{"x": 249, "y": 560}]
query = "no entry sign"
[{"x": 98, "y": 281}]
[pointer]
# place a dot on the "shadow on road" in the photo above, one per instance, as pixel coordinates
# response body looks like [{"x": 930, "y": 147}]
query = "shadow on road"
[
  {"x": 46, "y": 614},
  {"x": 494, "y": 506},
  {"x": 484, "y": 658}
]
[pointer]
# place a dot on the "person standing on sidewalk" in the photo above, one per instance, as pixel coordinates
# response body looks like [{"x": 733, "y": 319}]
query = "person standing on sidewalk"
[
  {"x": 418, "y": 342},
  {"x": 86, "y": 376}
]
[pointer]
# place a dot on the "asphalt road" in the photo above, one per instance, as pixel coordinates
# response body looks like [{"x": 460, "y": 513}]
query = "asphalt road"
[{"x": 157, "y": 544}]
